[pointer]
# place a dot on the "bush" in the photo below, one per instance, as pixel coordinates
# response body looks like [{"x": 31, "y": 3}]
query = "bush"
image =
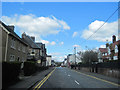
[
  {"x": 43, "y": 68},
  {"x": 10, "y": 71},
  {"x": 29, "y": 68}
]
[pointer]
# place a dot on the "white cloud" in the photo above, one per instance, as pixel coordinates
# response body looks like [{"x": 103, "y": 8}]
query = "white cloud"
[
  {"x": 55, "y": 53},
  {"x": 53, "y": 43},
  {"x": 58, "y": 57},
  {"x": 37, "y": 26},
  {"x": 75, "y": 34},
  {"x": 61, "y": 43},
  {"x": 102, "y": 46},
  {"x": 47, "y": 42},
  {"x": 105, "y": 33},
  {"x": 76, "y": 45}
]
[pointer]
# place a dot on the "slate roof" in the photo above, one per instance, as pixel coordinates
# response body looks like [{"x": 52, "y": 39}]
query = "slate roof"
[
  {"x": 13, "y": 33},
  {"x": 39, "y": 44},
  {"x": 103, "y": 50},
  {"x": 30, "y": 42}
]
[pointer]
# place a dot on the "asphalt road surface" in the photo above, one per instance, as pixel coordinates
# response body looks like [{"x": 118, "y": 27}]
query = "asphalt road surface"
[{"x": 62, "y": 77}]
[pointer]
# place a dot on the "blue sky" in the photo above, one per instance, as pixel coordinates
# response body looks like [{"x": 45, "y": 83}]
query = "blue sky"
[{"x": 78, "y": 18}]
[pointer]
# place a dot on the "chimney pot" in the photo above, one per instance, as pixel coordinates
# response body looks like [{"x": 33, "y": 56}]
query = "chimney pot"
[
  {"x": 114, "y": 38},
  {"x": 11, "y": 27},
  {"x": 23, "y": 35},
  {"x": 33, "y": 38}
]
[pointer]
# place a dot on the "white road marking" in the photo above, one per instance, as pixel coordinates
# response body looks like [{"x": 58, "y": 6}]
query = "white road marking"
[
  {"x": 77, "y": 82},
  {"x": 69, "y": 75}
]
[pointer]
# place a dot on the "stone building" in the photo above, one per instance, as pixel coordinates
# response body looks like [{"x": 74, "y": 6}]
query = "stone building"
[
  {"x": 13, "y": 47},
  {"x": 36, "y": 51}
]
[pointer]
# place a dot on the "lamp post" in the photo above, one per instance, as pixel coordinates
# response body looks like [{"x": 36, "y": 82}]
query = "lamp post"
[{"x": 75, "y": 56}]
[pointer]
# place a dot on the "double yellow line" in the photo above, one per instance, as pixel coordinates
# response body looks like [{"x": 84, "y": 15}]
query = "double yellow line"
[
  {"x": 43, "y": 81},
  {"x": 98, "y": 79}
]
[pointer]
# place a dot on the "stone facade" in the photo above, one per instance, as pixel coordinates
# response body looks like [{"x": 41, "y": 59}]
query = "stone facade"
[{"x": 13, "y": 48}]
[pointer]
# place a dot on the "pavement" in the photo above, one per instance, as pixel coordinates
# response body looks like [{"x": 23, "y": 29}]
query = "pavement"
[
  {"x": 27, "y": 82},
  {"x": 63, "y": 77}
]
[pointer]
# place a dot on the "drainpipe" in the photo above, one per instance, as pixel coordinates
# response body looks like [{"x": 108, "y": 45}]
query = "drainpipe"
[{"x": 6, "y": 47}]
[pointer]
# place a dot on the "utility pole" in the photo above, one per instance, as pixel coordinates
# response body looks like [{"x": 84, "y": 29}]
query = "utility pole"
[{"x": 75, "y": 56}]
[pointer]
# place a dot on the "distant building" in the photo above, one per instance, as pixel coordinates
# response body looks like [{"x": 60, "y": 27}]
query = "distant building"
[
  {"x": 53, "y": 63},
  {"x": 48, "y": 60},
  {"x": 70, "y": 60},
  {"x": 65, "y": 62},
  {"x": 13, "y": 47}
]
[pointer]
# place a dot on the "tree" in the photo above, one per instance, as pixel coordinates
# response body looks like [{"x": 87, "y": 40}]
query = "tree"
[{"x": 89, "y": 56}]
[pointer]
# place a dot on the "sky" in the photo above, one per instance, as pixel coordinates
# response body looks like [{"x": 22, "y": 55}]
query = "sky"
[{"x": 61, "y": 26}]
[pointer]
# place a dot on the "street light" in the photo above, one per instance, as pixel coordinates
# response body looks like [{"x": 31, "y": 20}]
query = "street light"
[{"x": 75, "y": 56}]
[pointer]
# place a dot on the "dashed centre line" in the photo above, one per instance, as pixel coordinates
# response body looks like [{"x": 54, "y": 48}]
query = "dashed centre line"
[
  {"x": 68, "y": 75},
  {"x": 77, "y": 82}
]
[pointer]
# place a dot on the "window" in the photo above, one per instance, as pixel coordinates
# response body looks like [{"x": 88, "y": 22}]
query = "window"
[
  {"x": 23, "y": 48},
  {"x": 13, "y": 45},
  {"x": 19, "y": 47},
  {"x": 18, "y": 59},
  {"x": 116, "y": 49},
  {"x": 12, "y": 57},
  {"x": 115, "y": 58},
  {"x": 33, "y": 51},
  {"x": 105, "y": 54},
  {"x": 22, "y": 59}
]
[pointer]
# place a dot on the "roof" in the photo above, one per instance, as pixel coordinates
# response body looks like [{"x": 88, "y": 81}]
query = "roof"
[
  {"x": 39, "y": 44},
  {"x": 103, "y": 50},
  {"x": 13, "y": 33},
  {"x": 112, "y": 47},
  {"x": 30, "y": 42},
  {"x": 116, "y": 43}
]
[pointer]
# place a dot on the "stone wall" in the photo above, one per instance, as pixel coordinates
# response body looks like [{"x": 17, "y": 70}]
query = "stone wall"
[{"x": 104, "y": 71}]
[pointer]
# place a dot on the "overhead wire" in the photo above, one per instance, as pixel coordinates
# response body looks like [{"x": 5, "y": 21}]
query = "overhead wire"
[{"x": 102, "y": 24}]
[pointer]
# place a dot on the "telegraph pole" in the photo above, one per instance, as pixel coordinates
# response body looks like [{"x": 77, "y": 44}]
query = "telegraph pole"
[{"x": 75, "y": 56}]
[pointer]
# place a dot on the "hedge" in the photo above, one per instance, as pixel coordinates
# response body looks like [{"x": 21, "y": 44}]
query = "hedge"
[
  {"x": 10, "y": 71},
  {"x": 29, "y": 68},
  {"x": 43, "y": 68}
]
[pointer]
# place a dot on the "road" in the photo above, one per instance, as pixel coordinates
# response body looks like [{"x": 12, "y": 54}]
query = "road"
[{"x": 62, "y": 77}]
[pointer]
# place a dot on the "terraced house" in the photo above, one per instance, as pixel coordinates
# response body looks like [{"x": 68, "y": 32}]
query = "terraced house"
[
  {"x": 36, "y": 51},
  {"x": 13, "y": 47},
  {"x": 110, "y": 52}
]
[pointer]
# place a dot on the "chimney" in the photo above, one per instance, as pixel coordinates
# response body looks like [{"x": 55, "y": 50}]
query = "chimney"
[
  {"x": 11, "y": 27},
  {"x": 107, "y": 44},
  {"x": 23, "y": 35},
  {"x": 33, "y": 38},
  {"x": 114, "y": 38}
]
